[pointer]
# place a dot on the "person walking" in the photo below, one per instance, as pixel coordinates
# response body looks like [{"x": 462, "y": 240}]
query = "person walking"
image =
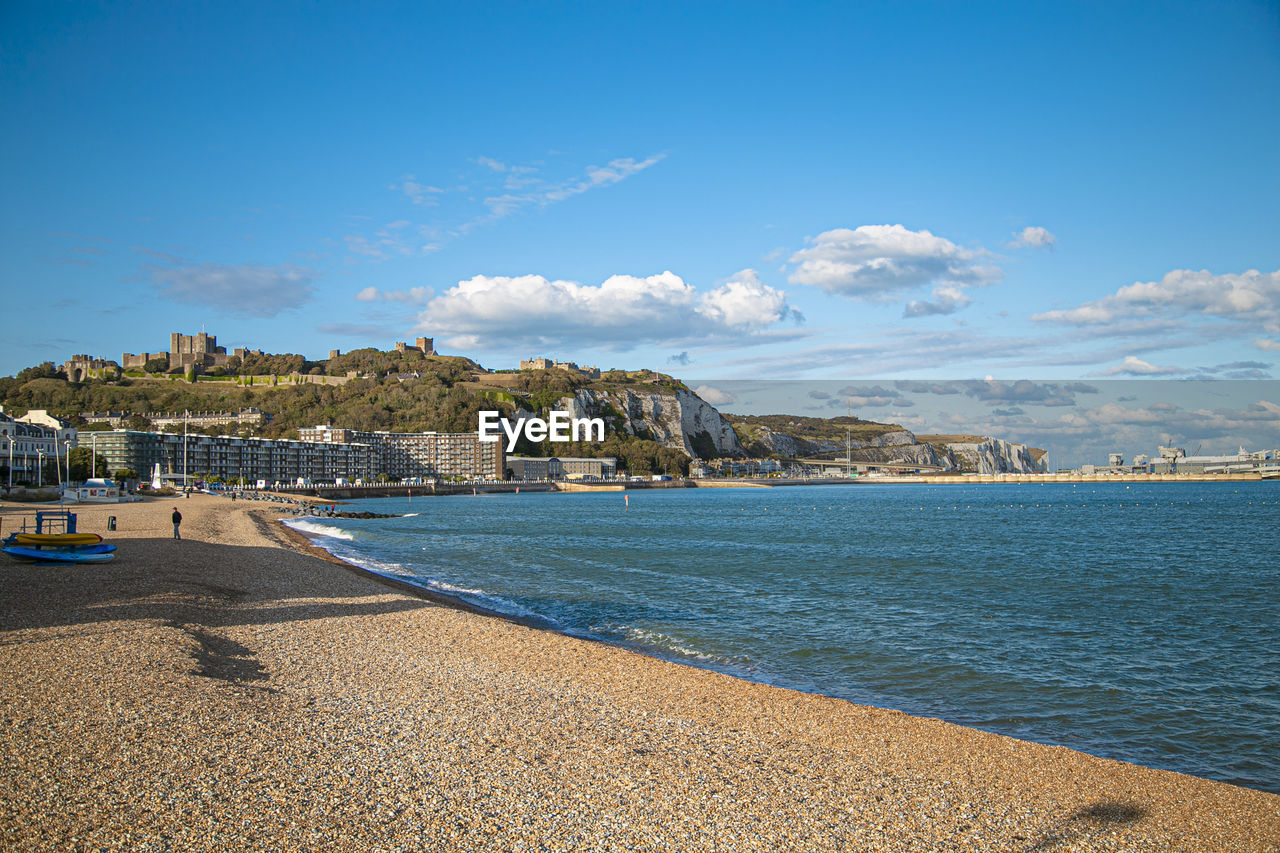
[{"x": 177, "y": 521}]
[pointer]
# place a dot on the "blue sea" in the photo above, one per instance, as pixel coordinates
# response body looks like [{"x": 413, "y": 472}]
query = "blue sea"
[{"x": 1139, "y": 622}]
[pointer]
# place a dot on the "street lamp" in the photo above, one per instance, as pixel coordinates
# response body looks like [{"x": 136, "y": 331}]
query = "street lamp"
[
  {"x": 39, "y": 469},
  {"x": 11, "y": 442},
  {"x": 67, "y": 443}
]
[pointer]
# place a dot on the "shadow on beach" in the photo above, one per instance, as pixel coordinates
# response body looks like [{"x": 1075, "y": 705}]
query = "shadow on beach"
[
  {"x": 1092, "y": 823},
  {"x": 200, "y": 588},
  {"x": 190, "y": 581}
]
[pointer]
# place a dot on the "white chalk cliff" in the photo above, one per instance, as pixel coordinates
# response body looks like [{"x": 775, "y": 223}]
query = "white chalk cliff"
[{"x": 680, "y": 419}]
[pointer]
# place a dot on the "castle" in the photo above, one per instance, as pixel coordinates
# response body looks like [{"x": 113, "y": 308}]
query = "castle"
[
  {"x": 539, "y": 363},
  {"x": 426, "y": 346},
  {"x": 198, "y": 351},
  {"x": 190, "y": 352}
]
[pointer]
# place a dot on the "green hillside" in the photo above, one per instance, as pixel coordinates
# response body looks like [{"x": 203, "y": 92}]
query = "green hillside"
[{"x": 446, "y": 395}]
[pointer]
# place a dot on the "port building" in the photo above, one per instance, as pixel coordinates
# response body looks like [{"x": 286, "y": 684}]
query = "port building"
[{"x": 562, "y": 467}]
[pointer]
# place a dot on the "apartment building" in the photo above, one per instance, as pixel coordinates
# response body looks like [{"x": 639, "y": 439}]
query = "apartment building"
[
  {"x": 430, "y": 455},
  {"x": 228, "y": 457}
]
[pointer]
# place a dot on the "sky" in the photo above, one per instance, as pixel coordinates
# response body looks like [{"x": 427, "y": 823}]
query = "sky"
[{"x": 802, "y": 191}]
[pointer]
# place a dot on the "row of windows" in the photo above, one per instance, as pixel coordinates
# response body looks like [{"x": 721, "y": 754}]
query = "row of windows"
[{"x": 444, "y": 455}]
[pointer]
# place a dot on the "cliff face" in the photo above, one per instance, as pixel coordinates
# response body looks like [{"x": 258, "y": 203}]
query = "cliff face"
[
  {"x": 983, "y": 456},
  {"x": 994, "y": 456},
  {"x": 907, "y": 453},
  {"x": 680, "y": 419},
  {"x": 769, "y": 442},
  {"x": 979, "y": 454}
]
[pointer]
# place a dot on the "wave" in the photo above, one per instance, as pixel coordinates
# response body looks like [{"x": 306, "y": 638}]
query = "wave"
[
  {"x": 456, "y": 590},
  {"x": 664, "y": 645},
  {"x": 495, "y": 604},
  {"x": 309, "y": 527}
]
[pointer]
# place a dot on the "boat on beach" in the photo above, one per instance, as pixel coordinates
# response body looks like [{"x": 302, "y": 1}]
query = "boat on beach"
[
  {"x": 55, "y": 540},
  {"x": 67, "y": 546},
  {"x": 98, "y": 553}
]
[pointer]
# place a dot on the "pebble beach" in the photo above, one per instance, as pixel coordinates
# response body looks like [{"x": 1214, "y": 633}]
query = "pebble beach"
[{"x": 241, "y": 689}]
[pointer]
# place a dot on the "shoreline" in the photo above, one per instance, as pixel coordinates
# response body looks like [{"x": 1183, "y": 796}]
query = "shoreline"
[
  {"x": 325, "y": 494},
  {"x": 237, "y": 689},
  {"x": 307, "y": 545},
  {"x": 698, "y": 663}
]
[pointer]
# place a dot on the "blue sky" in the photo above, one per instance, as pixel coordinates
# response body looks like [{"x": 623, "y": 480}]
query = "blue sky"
[{"x": 737, "y": 191}]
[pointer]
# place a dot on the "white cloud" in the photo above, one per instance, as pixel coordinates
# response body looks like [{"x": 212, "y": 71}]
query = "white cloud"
[
  {"x": 868, "y": 391},
  {"x": 412, "y": 296},
  {"x": 1237, "y": 370},
  {"x": 596, "y": 176},
  {"x": 488, "y": 194},
  {"x": 864, "y": 402},
  {"x": 391, "y": 240},
  {"x": 899, "y": 351},
  {"x": 873, "y": 260},
  {"x": 1134, "y": 366},
  {"x": 621, "y": 312},
  {"x": 420, "y": 194},
  {"x": 1256, "y": 419},
  {"x": 1251, "y": 296},
  {"x": 1267, "y": 344},
  {"x": 744, "y": 302},
  {"x": 243, "y": 290},
  {"x": 714, "y": 395},
  {"x": 535, "y": 192},
  {"x": 1033, "y": 237},
  {"x": 946, "y": 300},
  {"x": 1025, "y": 391}
]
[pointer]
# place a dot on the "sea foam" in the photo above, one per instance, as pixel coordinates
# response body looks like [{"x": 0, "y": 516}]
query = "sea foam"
[{"x": 309, "y": 527}]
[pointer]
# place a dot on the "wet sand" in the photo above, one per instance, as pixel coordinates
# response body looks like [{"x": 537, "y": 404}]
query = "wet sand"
[{"x": 241, "y": 690}]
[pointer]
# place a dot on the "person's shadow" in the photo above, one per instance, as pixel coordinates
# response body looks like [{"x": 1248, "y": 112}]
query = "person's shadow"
[
  {"x": 196, "y": 587},
  {"x": 1092, "y": 821}
]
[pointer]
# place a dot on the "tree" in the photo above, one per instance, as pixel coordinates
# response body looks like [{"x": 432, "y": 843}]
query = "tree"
[
  {"x": 137, "y": 422},
  {"x": 124, "y": 474},
  {"x": 83, "y": 464},
  {"x": 43, "y": 370},
  {"x": 156, "y": 365}
]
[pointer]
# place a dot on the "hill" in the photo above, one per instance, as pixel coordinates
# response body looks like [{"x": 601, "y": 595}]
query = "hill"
[
  {"x": 404, "y": 392},
  {"x": 654, "y": 423}
]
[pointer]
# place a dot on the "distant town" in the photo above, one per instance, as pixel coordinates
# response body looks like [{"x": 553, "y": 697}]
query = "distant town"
[{"x": 184, "y": 448}]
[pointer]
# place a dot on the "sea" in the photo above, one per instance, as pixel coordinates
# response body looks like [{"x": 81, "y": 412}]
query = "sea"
[{"x": 1139, "y": 622}]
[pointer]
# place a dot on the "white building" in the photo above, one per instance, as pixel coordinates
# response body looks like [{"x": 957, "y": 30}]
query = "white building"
[{"x": 29, "y": 442}]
